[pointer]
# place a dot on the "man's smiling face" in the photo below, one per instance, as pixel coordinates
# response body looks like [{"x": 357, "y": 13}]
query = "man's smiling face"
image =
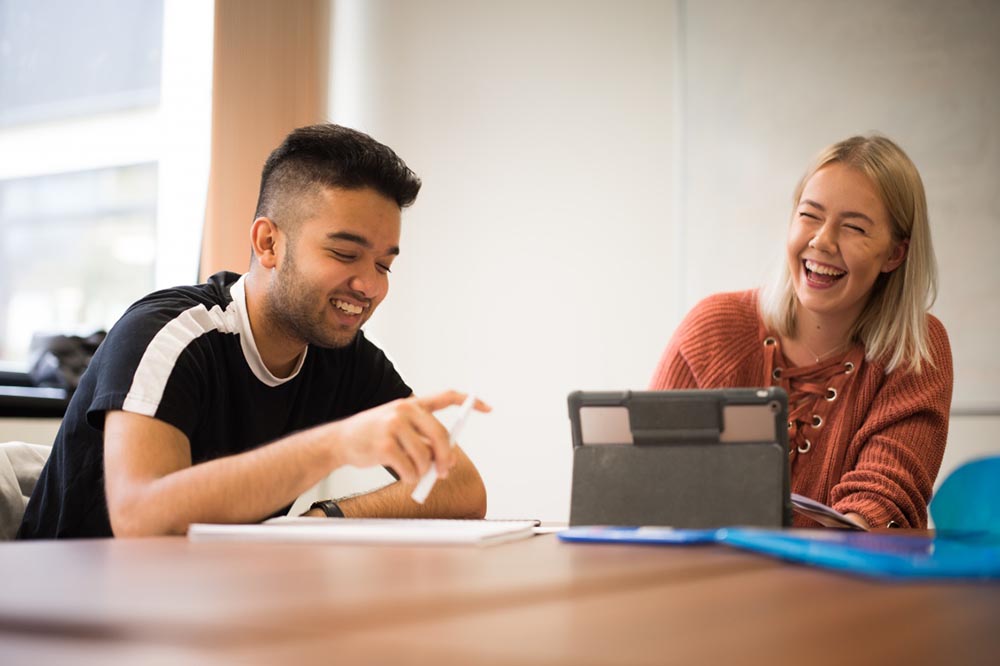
[{"x": 334, "y": 265}]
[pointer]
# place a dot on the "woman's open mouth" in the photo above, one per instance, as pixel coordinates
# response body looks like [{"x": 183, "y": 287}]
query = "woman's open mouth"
[{"x": 821, "y": 275}]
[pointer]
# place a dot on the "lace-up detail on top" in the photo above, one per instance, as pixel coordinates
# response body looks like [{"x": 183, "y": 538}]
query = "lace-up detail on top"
[{"x": 812, "y": 392}]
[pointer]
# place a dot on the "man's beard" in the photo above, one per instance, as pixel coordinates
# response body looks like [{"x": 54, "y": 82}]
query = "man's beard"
[{"x": 291, "y": 306}]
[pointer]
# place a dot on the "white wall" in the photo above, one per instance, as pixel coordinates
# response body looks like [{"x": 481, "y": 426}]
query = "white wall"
[{"x": 592, "y": 169}]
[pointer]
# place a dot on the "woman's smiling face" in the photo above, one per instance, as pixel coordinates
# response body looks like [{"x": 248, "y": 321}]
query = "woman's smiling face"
[{"x": 839, "y": 242}]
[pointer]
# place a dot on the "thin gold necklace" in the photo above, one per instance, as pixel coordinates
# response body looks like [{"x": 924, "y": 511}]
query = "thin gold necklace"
[{"x": 819, "y": 357}]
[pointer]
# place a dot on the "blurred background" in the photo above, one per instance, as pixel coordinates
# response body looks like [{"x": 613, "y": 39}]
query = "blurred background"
[{"x": 591, "y": 170}]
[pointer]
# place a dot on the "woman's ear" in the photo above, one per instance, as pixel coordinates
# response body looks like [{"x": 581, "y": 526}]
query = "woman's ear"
[
  {"x": 896, "y": 257},
  {"x": 264, "y": 241}
]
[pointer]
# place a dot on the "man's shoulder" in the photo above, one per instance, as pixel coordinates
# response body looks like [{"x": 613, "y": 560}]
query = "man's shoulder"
[
  {"x": 215, "y": 291},
  {"x": 171, "y": 319},
  {"x": 156, "y": 310}
]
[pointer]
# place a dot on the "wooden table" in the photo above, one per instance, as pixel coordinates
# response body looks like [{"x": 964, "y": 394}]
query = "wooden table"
[{"x": 537, "y": 601}]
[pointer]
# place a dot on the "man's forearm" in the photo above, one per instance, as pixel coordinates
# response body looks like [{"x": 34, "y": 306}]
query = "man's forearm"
[
  {"x": 460, "y": 495},
  {"x": 242, "y": 488}
]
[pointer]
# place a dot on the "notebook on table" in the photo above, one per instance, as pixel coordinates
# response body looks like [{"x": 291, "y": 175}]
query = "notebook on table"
[{"x": 398, "y": 531}]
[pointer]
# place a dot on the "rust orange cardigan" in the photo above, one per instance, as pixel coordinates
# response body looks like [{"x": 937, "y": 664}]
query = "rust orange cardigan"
[{"x": 860, "y": 440}]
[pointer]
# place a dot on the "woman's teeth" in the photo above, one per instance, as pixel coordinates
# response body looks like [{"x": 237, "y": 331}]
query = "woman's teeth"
[{"x": 820, "y": 269}]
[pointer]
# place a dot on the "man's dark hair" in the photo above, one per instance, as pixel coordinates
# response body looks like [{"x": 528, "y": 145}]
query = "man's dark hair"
[{"x": 332, "y": 156}]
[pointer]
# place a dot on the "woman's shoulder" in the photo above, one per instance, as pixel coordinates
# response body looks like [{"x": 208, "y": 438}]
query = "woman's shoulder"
[
  {"x": 731, "y": 308},
  {"x": 940, "y": 348},
  {"x": 937, "y": 369},
  {"x": 723, "y": 318},
  {"x": 937, "y": 335}
]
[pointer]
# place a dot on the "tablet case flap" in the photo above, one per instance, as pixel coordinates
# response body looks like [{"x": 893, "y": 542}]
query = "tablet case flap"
[{"x": 676, "y": 471}]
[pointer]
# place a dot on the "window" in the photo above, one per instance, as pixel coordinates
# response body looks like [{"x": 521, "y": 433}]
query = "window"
[
  {"x": 78, "y": 249},
  {"x": 104, "y": 147},
  {"x": 64, "y": 57}
]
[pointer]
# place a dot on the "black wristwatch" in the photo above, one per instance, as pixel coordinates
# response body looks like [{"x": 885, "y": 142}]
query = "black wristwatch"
[{"x": 329, "y": 507}]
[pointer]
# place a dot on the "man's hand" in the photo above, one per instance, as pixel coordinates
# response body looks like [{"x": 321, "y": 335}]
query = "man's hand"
[{"x": 403, "y": 435}]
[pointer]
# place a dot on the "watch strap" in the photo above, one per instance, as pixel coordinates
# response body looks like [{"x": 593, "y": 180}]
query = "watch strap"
[{"x": 329, "y": 507}]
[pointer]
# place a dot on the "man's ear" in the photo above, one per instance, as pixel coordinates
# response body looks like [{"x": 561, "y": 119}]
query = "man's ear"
[
  {"x": 264, "y": 241},
  {"x": 896, "y": 257}
]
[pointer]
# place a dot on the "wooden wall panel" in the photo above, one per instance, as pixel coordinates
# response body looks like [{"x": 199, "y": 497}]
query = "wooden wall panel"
[{"x": 269, "y": 78}]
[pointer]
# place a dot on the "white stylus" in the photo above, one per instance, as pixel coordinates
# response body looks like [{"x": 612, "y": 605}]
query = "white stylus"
[{"x": 427, "y": 481}]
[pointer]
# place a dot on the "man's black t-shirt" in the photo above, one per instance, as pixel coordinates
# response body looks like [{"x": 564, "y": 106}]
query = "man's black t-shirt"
[{"x": 187, "y": 356}]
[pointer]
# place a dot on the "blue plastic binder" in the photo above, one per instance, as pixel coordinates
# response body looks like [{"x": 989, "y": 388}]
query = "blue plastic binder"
[
  {"x": 649, "y": 535},
  {"x": 966, "y": 512},
  {"x": 878, "y": 555}
]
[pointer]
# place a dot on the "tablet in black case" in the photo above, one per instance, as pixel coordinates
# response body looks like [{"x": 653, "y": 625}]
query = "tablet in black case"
[{"x": 685, "y": 459}]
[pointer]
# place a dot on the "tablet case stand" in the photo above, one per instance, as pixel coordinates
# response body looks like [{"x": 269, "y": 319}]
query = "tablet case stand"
[{"x": 685, "y": 459}]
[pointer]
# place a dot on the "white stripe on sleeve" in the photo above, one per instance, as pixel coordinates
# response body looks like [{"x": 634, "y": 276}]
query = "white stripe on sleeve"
[{"x": 161, "y": 355}]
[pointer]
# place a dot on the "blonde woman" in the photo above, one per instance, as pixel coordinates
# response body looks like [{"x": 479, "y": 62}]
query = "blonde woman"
[{"x": 844, "y": 329}]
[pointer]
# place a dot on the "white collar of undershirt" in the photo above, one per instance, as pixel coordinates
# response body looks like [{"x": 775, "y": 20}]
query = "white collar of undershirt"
[{"x": 249, "y": 345}]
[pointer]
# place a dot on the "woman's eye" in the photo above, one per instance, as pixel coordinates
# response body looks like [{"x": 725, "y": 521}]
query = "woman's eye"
[
  {"x": 854, "y": 227},
  {"x": 809, "y": 215},
  {"x": 382, "y": 268}
]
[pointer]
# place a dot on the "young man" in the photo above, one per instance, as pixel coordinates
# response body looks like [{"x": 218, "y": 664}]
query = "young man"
[{"x": 223, "y": 402}]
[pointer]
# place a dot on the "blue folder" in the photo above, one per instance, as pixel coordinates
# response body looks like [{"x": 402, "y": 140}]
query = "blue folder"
[
  {"x": 966, "y": 513},
  {"x": 878, "y": 555},
  {"x": 654, "y": 536}
]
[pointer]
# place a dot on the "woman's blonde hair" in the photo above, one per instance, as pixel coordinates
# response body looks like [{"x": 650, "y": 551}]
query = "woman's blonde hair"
[{"x": 893, "y": 324}]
